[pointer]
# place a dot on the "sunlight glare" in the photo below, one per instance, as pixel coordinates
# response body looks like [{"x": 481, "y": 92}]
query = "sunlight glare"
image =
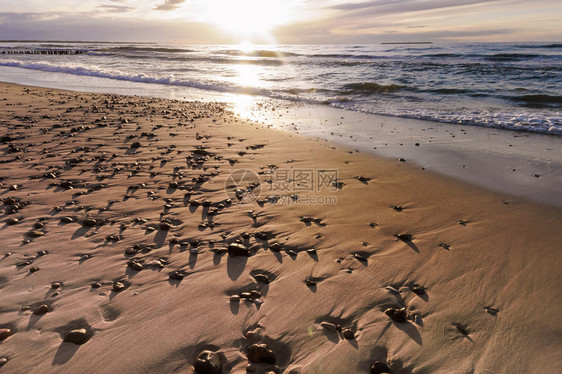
[{"x": 248, "y": 18}]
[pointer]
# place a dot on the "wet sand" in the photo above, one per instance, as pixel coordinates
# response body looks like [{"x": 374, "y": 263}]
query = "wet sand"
[{"x": 138, "y": 233}]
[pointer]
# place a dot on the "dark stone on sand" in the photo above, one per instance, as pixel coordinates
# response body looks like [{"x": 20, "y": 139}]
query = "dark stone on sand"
[
  {"x": 173, "y": 185},
  {"x": 35, "y": 234},
  {"x": 360, "y": 257},
  {"x": 261, "y": 354},
  {"x": 67, "y": 219},
  {"x": 418, "y": 290},
  {"x": 176, "y": 275},
  {"x": 348, "y": 334},
  {"x": 130, "y": 251},
  {"x": 246, "y": 295},
  {"x": 96, "y": 285},
  {"x": 380, "y": 368},
  {"x": 404, "y": 237},
  {"x": 492, "y": 311},
  {"x": 118, "y": 286},
  {"x": 329, "y": 326},
  {"x": 237, "y": 249},
  {"x": 78, "y": 336},
  {"x": 262, "y": 278},
  {"x": 135, "y": 145},
  {"x": 164, "y": 225},
  {"x": 310, "y": 282},
  {"x": 33, "y": 269},
  {"x": 261, "y": 235},
  {"x": 41, "y": 309},
  {"x": 56, "y": 285},
  {"x": 397, "y": 315},
  {"x": 90, "y": 222},
  {"x": 255, "y": 294},
  {"x": 13, "y": 221},
  {"x": 135, "y": 265},
  {"x": 5, "y": 333},
  {"x": 3, "y": 361},
  {"x": 208, "y": 363}
]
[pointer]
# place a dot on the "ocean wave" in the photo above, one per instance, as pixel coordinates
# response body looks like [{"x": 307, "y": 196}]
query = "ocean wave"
[
  {"x": 145, "y": 49},
  {"x": 371, "y": 87},
  {"x": 537, "y": 101},
  {"x": 512, "y": 56},
  {"x": 256, "y": 53},
  {"x": 113, "y": 74},
  {"x": 344, "y": 56},
  {"x": 552, "y": 45}
]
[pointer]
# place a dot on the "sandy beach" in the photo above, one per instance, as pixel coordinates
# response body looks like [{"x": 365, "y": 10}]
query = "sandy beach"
[{"x": 143, "y": 235}]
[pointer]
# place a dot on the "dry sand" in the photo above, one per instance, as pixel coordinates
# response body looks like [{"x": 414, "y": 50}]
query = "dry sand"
[{"x": 153, "y": 278}]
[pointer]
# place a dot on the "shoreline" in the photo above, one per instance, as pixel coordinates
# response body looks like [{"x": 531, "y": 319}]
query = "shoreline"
[
  {"x": 519, "y": 163},
  {"x": 157, "y": 276}
]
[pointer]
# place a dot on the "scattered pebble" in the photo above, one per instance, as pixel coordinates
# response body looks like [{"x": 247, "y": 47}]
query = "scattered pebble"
[
  {"x": 176, "y": 275},
  {"x": 261, "y": 354},
  {"x": 418, "y": 290},
  {"x": 208, "y": 362},
  {"x": 35, "y": 234},
  {"x": 41, "y": 309},
  {"x": 397, "y": 315},
  {"x": 237, "y": 249},
  {"x": 5, "y": 333},
  {"x": 118, "y": 286},
  {"x": 380, "y": 368},
  {"x": 348, "y": 334},
  {"x": 78, "y": 336},
  {"x": 404, "y": 237},
  {"x": 95, "y": 285},
  {"x": 262, "y": 278},
  {"x": 329, "y": 326}
]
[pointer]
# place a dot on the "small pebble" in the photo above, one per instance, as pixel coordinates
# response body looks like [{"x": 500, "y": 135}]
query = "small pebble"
[
  {"x": 261, "y": 354},
  {"x": 418, "y": 290},
  {"x": 208, "y": 362},
  {"x": 380, "y": 368},
  {"x": 5, "y": 333},
  {"x": 78, "y": 336},
  {"x": 348, "y": 334},
  {"x": 329, "y": 326},
  {"x": 41, "y": 309},
  {"x": 397, "y": 315},
  {"x": 118, "y": 286}
]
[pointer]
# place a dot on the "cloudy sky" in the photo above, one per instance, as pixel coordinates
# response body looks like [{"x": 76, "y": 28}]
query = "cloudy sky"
[{"x": 281, "y": 21}]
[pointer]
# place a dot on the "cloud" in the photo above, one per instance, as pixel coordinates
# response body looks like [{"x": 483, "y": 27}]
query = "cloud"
[
  {"x": 84, "y": 27},
  {"x": 115, "y": 8},
  {"x": 408, "y": 5},
  {"x": 169, "y": 5}
]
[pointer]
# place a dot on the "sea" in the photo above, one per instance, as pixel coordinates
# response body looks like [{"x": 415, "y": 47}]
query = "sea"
[{"x": 513, "y": 86}]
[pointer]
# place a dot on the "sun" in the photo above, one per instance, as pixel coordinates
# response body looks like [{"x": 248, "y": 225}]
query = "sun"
[{"x": 248, "y": 19}]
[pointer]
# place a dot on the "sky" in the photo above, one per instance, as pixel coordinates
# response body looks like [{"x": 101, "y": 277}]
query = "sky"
[{"x": 282, "y": 21}]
